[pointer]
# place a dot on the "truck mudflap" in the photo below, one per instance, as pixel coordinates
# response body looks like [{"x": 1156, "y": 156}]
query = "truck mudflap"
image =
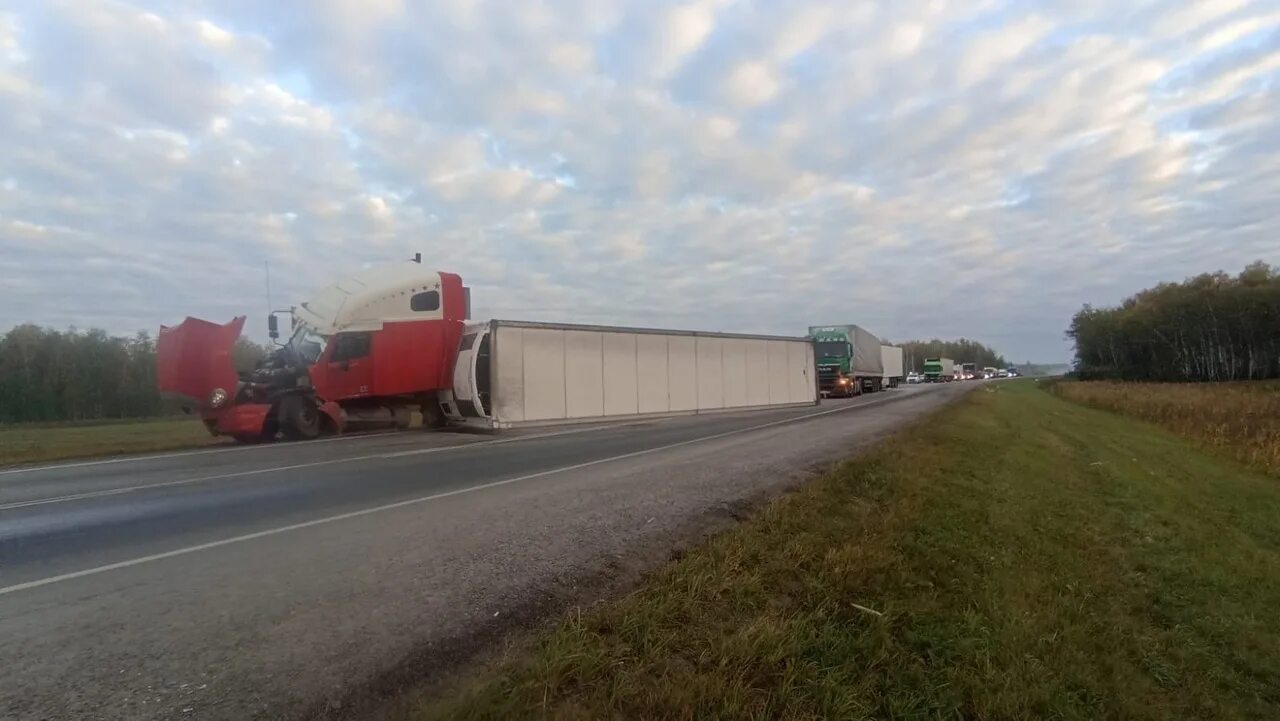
[
  {"x": 193, "y": 359},
  {"x": 335, "y": 419}
]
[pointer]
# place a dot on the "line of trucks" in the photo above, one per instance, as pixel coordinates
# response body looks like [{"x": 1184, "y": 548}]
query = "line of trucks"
[
  {"x": 377, "y": 347},
  {"x": 945, "y": 370}
]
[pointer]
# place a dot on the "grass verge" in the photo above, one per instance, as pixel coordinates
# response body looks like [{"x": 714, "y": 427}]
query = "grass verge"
[
  {"x": 1016, "y": 556},
  {"x": 1240, "y": 419},
  {"x": 33, "y": 444}
]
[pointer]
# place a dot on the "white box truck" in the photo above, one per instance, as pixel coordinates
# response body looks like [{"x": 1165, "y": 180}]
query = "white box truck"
[{"x": 892, "y": 359}]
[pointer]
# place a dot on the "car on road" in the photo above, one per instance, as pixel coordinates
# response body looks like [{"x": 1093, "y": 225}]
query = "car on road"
[{"x": 913, "y": 377}]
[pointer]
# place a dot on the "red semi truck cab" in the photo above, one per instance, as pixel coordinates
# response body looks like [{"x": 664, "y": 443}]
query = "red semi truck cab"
[{"x": 367, "y": 350}]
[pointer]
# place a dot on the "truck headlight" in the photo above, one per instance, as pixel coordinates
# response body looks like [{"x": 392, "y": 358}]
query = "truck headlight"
[{"x": 218, "y": 398}]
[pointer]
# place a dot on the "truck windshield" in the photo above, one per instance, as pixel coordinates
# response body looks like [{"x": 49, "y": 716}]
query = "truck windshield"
[
  {"x": 305, "y": 345},
  {"x": 832, "y": 349}
]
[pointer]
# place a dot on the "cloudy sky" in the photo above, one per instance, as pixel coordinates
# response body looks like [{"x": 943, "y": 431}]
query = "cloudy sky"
[{"x": 977, "y": 168}]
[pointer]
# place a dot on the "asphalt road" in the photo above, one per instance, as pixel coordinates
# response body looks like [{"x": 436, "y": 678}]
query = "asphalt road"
[{"x": 278, "y": 581}]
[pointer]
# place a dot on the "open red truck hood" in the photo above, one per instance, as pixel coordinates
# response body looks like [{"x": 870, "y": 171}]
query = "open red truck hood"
[{"x": 194, "y": 357}]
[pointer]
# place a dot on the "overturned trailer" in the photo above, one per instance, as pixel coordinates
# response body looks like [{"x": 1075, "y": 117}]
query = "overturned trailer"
[{"x": 515, "y": 373}]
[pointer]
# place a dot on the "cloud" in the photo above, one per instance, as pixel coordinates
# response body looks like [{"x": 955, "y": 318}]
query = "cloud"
[
  {"x": 907, "y": 38},
  {"x": 1233, "y": 31},
  {"x": 745, "y": 165},
  {"x": 680, "y": 32},
  {"x": 992, "y": 51},
  {"x": 803, "y": 28},
  {"x": 752, "y": 83}
]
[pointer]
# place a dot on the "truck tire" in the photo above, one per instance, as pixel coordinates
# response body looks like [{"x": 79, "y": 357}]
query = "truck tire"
[{"x": 299, "y": 418}]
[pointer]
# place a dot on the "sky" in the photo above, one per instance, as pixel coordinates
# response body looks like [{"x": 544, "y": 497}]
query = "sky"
[{"x": 921, "y": 168}]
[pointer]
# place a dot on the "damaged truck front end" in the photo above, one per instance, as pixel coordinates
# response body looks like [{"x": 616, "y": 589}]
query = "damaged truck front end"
[{"x": 194, "y": 364}]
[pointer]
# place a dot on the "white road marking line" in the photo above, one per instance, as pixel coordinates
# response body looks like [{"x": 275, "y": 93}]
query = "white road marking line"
[
  {"x": 291, "y": 444},
  {"x": 163, "y": 484},
  {"x": 508, "y": 439},
  {"x": 410, "y": 502},
  {"x": 294, "y": 467},
  {"x": 260, "y": 471},
  {"x": 204, "y": 452},
  {"x": 208, "y": 451}
]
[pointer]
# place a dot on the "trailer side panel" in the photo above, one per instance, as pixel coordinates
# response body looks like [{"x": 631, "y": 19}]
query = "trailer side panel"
[{"x": 549, "y": 373}]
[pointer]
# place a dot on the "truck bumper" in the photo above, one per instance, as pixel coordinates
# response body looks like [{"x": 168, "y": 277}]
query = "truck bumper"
[{"x": 247, "y": 420}]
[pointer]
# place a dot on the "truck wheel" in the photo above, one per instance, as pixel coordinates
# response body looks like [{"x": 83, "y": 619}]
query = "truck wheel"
[{"x": 299, "y": 419}]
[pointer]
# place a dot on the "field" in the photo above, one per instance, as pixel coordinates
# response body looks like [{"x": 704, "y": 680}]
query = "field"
[
  {"x": 1016, "y": 557},
  {"x": 1239, "y": 419},
  {"x": 35, "y": 443}
]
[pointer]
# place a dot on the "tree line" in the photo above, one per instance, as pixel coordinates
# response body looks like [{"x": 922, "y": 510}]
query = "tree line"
[
  {"x": 49, "y": 375},
  {"x": 914, "y": 353},
  {"x": 1212, "y": 327}
]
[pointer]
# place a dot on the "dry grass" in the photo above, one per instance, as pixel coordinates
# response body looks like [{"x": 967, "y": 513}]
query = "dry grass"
[
  {"x": 1016, "y": 557},
  {"x": 1242, "y": 419}
]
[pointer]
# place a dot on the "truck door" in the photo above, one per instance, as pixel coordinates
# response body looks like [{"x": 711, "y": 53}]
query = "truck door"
[{"x": 348, "y": 371}]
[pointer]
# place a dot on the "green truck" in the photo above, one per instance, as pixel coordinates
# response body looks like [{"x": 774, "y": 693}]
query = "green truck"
[
  {"x": 849, "y": 360},
  {"x": 939, "y": 370}
]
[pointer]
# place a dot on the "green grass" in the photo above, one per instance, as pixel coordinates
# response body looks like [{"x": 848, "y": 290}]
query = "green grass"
[
  {"x": 1016, "y": 557},
  {"x": 30, "y": 444}
]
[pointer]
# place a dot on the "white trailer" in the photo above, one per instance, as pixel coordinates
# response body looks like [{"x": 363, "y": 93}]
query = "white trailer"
[
  {"x": 515, "y": 373},
  {"x": 891, "y": 359}
]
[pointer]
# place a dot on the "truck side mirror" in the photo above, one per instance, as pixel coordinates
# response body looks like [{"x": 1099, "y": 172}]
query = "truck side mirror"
[{"x": 273, "y": 327}]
